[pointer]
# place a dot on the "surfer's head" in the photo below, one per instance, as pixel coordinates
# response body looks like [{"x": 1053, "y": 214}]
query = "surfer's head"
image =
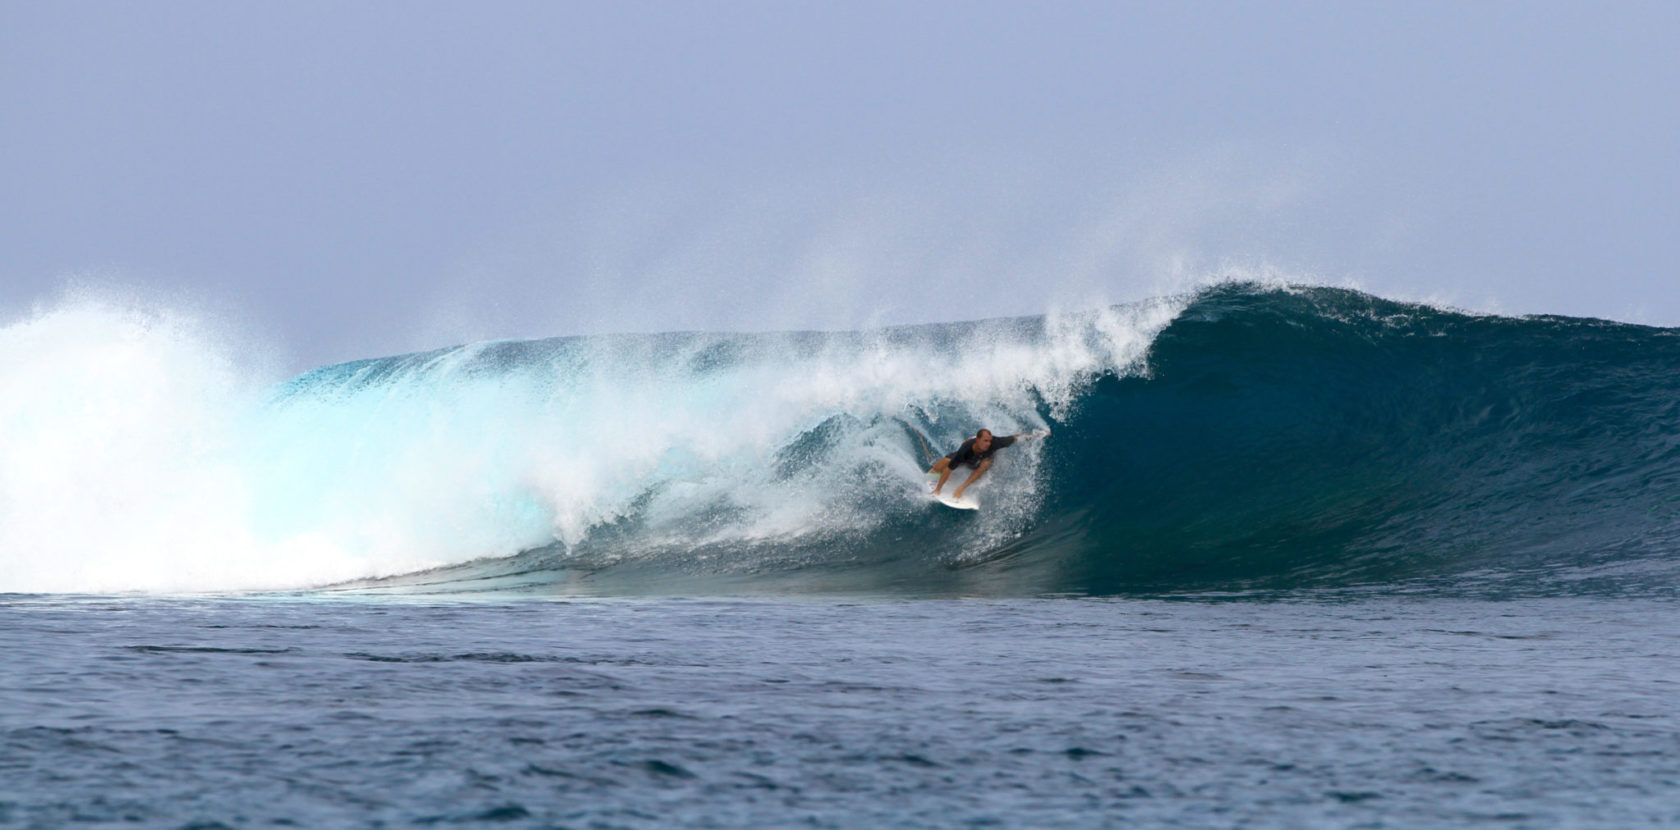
[{"x": 983, "y": 440}]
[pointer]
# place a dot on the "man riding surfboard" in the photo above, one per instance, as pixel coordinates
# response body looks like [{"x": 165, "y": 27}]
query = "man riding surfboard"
[{"x": 976, "y": 452}]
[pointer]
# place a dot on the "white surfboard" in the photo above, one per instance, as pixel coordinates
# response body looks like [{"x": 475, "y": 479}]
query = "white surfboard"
[{"x": 967, "y": 502}]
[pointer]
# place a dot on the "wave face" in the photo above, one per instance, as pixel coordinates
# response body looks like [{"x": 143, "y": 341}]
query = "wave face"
[
  {"x": 1328, "y": 437},
  {"x": 1244, "y": 437}
]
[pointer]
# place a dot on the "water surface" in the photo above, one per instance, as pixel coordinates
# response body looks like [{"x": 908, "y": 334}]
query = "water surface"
[{"x": 1295, "y": 710}]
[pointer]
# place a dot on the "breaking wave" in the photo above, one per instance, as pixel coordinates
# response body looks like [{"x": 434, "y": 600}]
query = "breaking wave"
[{"x": 1243, "y": 437}]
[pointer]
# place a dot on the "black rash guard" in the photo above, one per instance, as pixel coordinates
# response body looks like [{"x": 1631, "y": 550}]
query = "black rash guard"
[{"x": 966, "y": 456}]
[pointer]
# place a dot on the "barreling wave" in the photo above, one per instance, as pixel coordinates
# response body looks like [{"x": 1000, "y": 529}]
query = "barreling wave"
[{"x": 1244, "y": 437}]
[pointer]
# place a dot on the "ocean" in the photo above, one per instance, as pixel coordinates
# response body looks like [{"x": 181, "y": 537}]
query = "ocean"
[{"x": 1291, "y": 557}]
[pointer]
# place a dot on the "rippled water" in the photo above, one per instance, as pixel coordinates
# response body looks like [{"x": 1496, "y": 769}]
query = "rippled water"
[{"x": 1285, "y": 711}]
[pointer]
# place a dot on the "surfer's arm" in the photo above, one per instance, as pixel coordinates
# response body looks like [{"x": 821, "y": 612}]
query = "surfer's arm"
[{"x": 978, "y": 472}]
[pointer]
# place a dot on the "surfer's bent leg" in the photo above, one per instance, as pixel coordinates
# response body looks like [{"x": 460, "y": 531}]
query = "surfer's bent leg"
[{"x": 943, "y": 468}]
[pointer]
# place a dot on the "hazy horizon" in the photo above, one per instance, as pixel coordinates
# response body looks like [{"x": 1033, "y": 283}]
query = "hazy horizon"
[{"x": 349, "y": 181}]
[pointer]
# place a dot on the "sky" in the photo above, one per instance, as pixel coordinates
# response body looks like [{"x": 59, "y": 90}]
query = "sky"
[{"x": 348, "y": 180}]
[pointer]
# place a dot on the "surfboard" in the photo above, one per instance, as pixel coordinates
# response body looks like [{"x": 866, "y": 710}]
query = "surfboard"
[{"x": 967, "y": 502}]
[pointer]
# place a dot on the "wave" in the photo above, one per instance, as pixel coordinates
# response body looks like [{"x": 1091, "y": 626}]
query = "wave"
[{"x": 1242, "y": 437}]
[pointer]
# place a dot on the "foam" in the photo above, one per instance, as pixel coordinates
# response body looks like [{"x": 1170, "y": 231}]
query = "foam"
[{"x": 137, "y": 453}]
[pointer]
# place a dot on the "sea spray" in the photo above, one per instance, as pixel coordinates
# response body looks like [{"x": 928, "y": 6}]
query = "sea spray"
[
  {"x": 138, "y": 456},
  {"x": 119, "y": 433}
]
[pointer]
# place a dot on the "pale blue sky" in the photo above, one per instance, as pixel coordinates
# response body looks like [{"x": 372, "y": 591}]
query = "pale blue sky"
[{"x": 370, "y": 177}]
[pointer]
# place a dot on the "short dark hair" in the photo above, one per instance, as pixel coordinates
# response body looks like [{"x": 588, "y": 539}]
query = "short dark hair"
[{"x": 983, "y": 431}]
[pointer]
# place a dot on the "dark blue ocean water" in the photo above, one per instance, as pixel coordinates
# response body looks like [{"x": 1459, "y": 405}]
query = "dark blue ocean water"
[{"x": 1299, "y": 709}]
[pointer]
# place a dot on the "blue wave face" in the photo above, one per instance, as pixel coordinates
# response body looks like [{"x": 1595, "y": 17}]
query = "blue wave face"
[{"x": 1326, "y": 437}]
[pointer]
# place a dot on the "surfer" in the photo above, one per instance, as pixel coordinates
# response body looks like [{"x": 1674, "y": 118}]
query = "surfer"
[{"x": 976, "y": 452}]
